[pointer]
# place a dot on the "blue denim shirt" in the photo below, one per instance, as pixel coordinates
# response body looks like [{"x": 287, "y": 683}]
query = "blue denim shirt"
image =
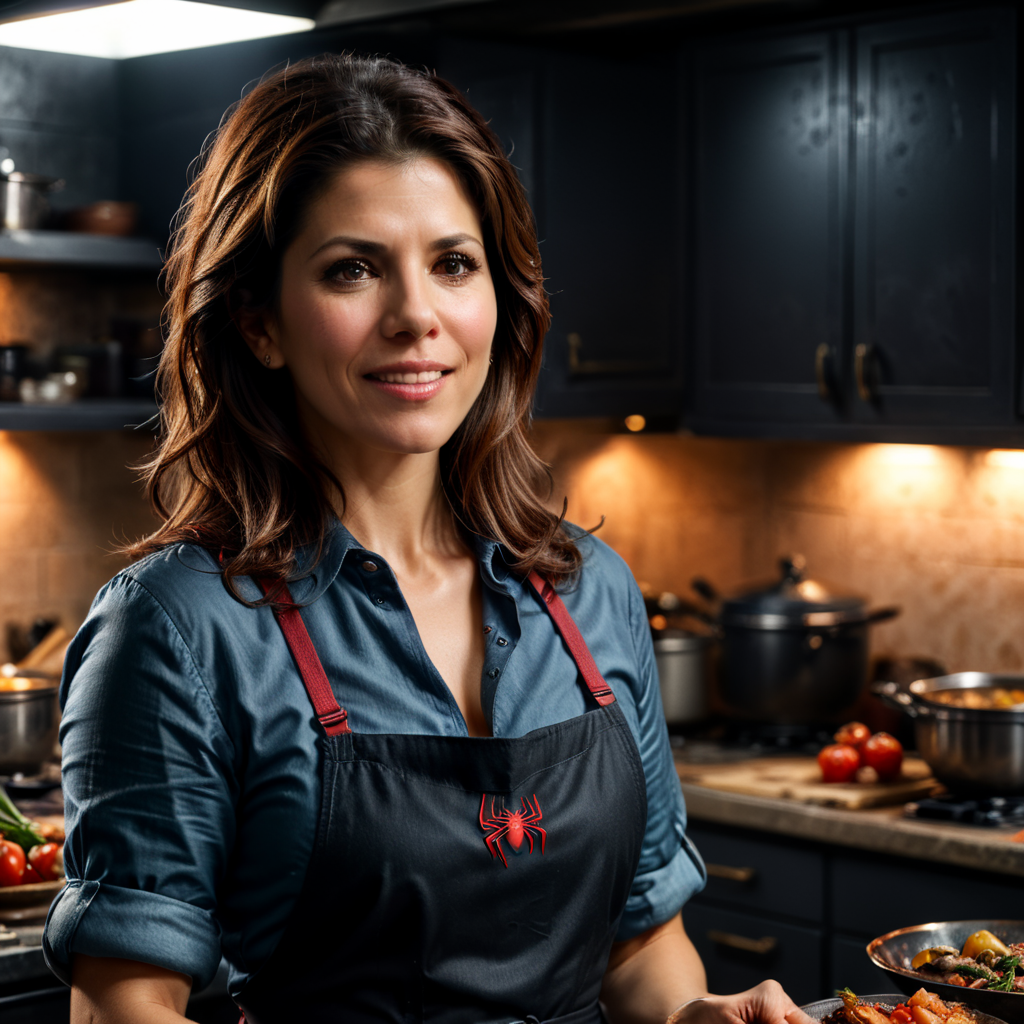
[{"x": 191, "y": 766}]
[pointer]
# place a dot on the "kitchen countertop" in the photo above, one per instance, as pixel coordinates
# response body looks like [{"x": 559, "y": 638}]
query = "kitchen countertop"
[{"x": 879, "y": 829}]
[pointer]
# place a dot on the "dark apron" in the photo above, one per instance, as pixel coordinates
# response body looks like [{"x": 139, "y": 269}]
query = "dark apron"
[{"x": 460, "y": 879}]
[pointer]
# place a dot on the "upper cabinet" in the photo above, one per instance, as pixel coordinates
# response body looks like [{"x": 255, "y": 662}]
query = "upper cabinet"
[
  {"x": 854, "y": 230},
  {"x": 769, "y": 195},
  {"x": 934, "y": 221},
  {"x": 611, "y": 236}
]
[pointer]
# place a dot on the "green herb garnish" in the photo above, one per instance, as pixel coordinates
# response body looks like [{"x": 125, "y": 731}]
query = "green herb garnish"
[
  {"x": 1008, "y": 965},
  {"x": 15, "y": 826}
]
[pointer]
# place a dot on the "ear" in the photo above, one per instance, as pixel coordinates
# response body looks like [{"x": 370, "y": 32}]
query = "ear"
[{"x": 259, "y": 330}]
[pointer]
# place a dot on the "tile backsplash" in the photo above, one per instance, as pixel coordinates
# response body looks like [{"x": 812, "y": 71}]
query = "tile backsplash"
[{"x": 938, "y": 531}]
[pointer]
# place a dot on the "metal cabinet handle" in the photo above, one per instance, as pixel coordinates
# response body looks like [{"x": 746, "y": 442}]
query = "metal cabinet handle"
[
  {"x": 862, "y": 356},
  {"x": 762, "y": 946},
  {"x": 821, "y": 358},
  {"x": 579, "y": 367},
  {"x": 733, "y": 874}
]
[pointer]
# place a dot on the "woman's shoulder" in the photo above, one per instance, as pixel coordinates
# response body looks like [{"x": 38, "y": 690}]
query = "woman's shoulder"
[{"x": 602, "y": 564}]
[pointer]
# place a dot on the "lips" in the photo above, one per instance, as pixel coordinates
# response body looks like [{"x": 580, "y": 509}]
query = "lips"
[{"x": 411, "y": 380}]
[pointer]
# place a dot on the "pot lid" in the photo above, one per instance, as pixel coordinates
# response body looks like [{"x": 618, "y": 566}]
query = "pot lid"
[{"x": 793, "y": 597}]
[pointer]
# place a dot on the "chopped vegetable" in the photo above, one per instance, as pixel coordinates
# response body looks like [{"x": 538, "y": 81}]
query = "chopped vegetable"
[
  {"x": 982, "y": 940},
  {"x": 926, "y": 956},
  {"x": 1008, "y": 968}
]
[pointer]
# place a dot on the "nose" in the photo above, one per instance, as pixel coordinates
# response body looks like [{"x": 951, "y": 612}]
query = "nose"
[{"x": 409, "y": 313}]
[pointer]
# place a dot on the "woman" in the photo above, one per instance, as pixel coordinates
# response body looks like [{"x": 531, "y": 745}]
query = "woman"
[{"x": 338, "y": 724}]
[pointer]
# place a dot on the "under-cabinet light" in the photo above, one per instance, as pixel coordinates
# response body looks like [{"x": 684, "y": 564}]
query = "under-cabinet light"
[
  {"x": 137, "y": 28},
  {"x": 1006, "y": 458}
]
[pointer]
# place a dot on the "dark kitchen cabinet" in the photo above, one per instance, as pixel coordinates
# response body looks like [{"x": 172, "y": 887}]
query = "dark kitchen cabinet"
[
  {"x": 854, "y": 243},
  {"x": 803, "y": 912},
  {"x": 770, "y": 189},
  {"x": 934, "y": 225},
  {"x": 611, "y": 236}
]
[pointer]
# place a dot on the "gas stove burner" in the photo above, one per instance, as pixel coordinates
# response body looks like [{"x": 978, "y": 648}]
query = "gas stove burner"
[
  {"x": 763, "y": 738},
  {"x": 988, "y": 812}
]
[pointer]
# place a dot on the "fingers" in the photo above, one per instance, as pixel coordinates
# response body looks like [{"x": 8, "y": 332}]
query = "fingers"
[{"x": 798, "y": 1016}]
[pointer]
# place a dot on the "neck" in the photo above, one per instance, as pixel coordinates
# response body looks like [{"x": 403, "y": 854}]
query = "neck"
[{"x": 394, "y": 505}]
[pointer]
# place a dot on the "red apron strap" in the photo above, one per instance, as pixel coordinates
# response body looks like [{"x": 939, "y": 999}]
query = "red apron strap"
[
  {"x": 333, "y": 717},
  {"x": 574, "y": 640}
]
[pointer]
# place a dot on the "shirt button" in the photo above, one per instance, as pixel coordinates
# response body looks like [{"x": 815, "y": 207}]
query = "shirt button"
[
  {"x": 487, "y": 629},
  {"x": 369, "y": 566},
  {"x": 379, "y": 599},
  {"x": 502, "y": 642},
  {"x": 494, "y": 673}
]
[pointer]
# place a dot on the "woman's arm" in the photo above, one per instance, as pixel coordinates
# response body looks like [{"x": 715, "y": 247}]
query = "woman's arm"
[
  {"x": 105, "y": 990},
  {"x": 653, "y": 977}
]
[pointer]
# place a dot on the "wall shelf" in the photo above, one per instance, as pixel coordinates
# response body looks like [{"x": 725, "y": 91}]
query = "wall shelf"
[
  {"x": 74, "y": 249},
  {"x": 85, "y": 414}
]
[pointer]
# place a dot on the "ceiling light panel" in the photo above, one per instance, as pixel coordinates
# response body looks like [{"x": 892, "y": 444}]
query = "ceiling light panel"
[{"x": 138, "y": 28}]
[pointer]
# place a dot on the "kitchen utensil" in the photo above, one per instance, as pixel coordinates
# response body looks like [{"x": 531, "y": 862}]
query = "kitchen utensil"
[
  {"x": 25, "y": 203},
  {"x": 12, "y": 369},
  {"x": 823, "y": 1007},
  {"x": 794, "y": 651},
  {"x": 29, "y": 717},
  {"x": 969, "y": 749},
  {"x": 799, "y": 779},
  {"x": 106, "y": 217},
  {"x": 894, "y": 951},
  {"x": 682, "y": 660}
]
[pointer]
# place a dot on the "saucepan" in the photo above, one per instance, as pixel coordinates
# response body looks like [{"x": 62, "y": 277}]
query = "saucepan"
[
  {"x": 25, "y": 202},
  {"x": 970, "y": 749},
  {"x": 29, "y": 720}
]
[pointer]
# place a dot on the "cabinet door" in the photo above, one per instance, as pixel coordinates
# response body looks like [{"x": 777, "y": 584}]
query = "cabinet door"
[
  {"x": 610, "y": 237},
  {"x": 769, "y": 194},
  {"x": 935, "y": 220},
  {"x": 741, "y": 950}
]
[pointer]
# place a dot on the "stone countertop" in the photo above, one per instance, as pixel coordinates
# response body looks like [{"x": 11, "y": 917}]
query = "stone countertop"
[{"x": 879, "y": 829}]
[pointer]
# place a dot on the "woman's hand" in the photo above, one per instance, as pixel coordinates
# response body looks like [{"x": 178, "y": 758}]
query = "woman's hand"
[{"x": 765, "y": 1004}]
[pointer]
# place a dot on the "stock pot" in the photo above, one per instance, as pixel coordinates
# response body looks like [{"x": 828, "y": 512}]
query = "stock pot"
[
  {"x": 794, "y": 651},
  {"x": 29, "y": 719}
]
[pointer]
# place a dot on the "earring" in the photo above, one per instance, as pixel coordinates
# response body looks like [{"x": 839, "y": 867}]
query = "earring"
[
  {"x": 266, "y": 359},
  {"x": 490, "y": 362}
]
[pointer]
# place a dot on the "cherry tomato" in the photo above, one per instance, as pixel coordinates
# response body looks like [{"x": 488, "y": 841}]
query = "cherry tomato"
[
  {"x": 884, "y": 753},
  {"x": 12, "y": 863},
  {"x": 853, "y": 734},
  {"x": 838, "y": 762},
  {"x": 43, "y": 858}
]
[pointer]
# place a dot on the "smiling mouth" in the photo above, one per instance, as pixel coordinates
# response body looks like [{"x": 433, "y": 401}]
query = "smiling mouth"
[{"x": 425, "y": 377}]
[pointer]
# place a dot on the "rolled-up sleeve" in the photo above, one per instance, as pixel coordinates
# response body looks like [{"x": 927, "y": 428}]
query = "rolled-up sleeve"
[
  {"x": 149, "y": 792},
  {"x": 670, "y": 869}
]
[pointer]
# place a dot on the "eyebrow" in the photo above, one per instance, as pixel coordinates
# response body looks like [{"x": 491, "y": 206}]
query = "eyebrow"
[{"x": 366, "y": 248}]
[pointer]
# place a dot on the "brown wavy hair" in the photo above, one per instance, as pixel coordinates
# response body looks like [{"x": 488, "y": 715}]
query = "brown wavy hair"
[{"x": 231, "y": 468}]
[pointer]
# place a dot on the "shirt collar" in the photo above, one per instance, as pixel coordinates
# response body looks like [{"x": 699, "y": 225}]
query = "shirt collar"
[{"x": 495, "y": 562}]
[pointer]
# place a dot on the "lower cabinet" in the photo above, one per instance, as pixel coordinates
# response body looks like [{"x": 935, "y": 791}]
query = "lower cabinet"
[
  {"x": 739, "y": 950},
  {"x": 803, "y": 913}
]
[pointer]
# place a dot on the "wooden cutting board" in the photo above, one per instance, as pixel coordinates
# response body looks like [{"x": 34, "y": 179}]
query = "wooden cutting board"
[{"x": 799, "y": 778}]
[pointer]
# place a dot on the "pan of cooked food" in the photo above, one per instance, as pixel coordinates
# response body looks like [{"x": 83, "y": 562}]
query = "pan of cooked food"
[
  {"x": 921, "y": 1008},
  {"x": 980, "y": 963},
  {"x": 969, "y": 727}
]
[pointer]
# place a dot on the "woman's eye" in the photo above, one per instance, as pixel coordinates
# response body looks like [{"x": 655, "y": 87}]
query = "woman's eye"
[
  {"x": 349, "y": 272},
  {"x": 457, "y": 265}
]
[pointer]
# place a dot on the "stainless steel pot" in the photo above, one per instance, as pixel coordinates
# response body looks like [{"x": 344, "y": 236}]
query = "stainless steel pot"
[
  {"x": 29, "y": 719},
  {"x": 968, "y": 749},
  {"x": 682, "y": 660},
  {"x": 25, "y": 202},
  {"x": 794, "y": 652}
]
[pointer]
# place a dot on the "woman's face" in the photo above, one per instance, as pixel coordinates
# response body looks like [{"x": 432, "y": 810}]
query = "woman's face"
[{"x": 386, "y": 310}]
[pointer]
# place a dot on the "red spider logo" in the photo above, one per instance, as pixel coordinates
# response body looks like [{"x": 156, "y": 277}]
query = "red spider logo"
[{"x": 512, "y": 826}]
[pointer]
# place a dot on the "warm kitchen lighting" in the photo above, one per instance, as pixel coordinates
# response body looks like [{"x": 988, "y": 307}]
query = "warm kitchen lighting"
[
  {"x": 907, "y": 454},
  {"x": 635, "y": 423},
  {"x": 1004, "y": 458},
  {"x": 137, "y": 28}
]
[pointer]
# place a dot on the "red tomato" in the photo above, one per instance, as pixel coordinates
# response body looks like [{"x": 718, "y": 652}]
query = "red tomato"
[
  {"x": 44, "y": 859},
  {"x": 853, "y": 734},
  {"x": 884, "y": 753},
  {"x": 12, "y": 863},
  {"x": 902, "y": 1015},
  {"x": 838, "y": 762}
]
